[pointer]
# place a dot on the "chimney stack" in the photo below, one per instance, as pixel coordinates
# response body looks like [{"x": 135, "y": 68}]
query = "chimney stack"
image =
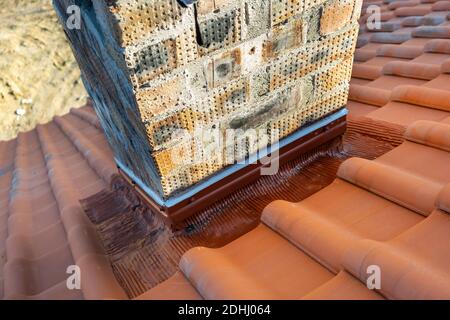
[{"x": 169, "y": 77}]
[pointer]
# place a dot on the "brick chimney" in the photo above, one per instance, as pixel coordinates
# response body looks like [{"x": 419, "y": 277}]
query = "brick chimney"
[{"x": 158, "y": 70}]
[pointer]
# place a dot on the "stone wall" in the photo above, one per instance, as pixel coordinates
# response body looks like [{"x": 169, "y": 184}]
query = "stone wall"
[{"x": 158, "y": 70}]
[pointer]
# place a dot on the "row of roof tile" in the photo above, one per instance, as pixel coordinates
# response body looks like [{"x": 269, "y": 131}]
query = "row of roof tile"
[
  {"x": 402, "y": 69},
  {"x": 44, "y": 230},
  {"x": 392, "y": 213}
]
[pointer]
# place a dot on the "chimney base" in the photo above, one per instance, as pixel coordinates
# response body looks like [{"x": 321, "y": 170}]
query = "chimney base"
[{"x": 178, "y": 208}]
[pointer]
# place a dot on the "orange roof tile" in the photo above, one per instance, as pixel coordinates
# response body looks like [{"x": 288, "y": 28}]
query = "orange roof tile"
[
  {"x": 383, "y": 210},
  {"x": 44, "y": 230},
  {"x": 410, "y": 48}
]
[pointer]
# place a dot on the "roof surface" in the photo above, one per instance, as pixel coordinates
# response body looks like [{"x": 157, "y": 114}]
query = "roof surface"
[
  {"x": 44, "y": 173},
  {"x": 402, "y": 70},
  {"x": 401, "y": 75}
]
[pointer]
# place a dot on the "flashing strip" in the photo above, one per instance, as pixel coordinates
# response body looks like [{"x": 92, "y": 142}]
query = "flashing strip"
[{"x": 172, "y": 201}]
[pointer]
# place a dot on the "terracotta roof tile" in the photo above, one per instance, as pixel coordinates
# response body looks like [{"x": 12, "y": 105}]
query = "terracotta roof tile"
[
  {"x": 445, "y": 68},
  {"x": 358, "y": 109},
  {"x": 412, "y": 69},
  {"x": 390, "y": 82},
  {"x": 418, "y": 10},
  {"x": 346, "y": 225},
  {"x": 399, "y": 4},
  {"x": 343, "y": 287},
  {"x": 446, "y": 120},
  {"x": 369, "y": 95},
  {"x": 403, "y": 51},
  {"x": 296, "y": 273},
  {"x": 44, "y": 230},
  {"x": 420, "y": 61},
  {"x": 401, "y": 75},
  {"x": 408, "y": 261}
]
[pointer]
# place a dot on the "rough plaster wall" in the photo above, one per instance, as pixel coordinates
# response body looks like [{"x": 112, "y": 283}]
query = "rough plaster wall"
[{"x": 240, "y": 64}]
